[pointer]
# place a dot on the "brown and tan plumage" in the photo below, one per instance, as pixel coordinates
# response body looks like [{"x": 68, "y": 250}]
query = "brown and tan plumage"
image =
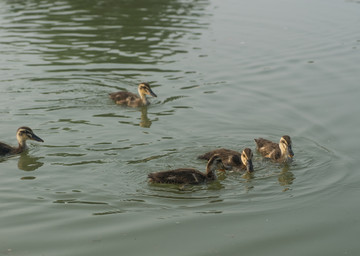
[
  {"x": 22, "y": 135},
  {"x": 188, "y": 175},
  {"x": 277, "y": 152},
  {"x": 131, "y": 99},
  {"x": 233, "y": 160}
]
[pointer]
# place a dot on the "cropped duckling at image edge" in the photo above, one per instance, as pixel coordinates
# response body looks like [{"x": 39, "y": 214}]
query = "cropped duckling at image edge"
[
  {"x": 233, "y": 160},
  {"x": 277, "y": 152},
  {"x": 188, "y": 175},
  {"x": 22, "y": 135},
  {"x": 131, "y": 99}
]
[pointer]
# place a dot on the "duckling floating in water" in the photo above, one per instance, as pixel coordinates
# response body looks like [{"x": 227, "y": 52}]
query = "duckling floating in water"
[
  {"x": 131, "y": 99},
  {"x": 23, "y": 133},
  {"x": 188, "y": 175},
  {"x": 233, "y": 160},
  {"x": 277, "y": 152}
]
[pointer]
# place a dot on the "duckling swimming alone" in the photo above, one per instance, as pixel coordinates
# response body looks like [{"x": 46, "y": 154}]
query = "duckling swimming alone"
[
  {"x": 277, "y": 152},
  {"x": 23, "y": 133},
  {"x": 188, "y": 175},
  {"x": 131, "y": 99},
  {"x": 233, "y": 160}
]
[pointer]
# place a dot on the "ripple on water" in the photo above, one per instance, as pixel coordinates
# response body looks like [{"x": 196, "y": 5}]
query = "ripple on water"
[{"x": 306, "y": 176}]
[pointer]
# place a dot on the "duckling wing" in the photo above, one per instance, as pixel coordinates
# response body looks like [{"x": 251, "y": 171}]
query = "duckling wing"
[
  {"x": 260, "y": 142},
  {"x": 268, "y": 148},
  {"x": 229, "y": 157},
  {"x": 5, "y": 149},
  {"x": 122, "y": 96},
  {"x": 178, "y": 176}
]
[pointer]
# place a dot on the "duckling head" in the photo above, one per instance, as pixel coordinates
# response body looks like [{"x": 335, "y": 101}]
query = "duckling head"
[
  {"x": 286, "y": 146},
  {"x": 214, "y": 163},
  {"x": 144, "y": 88},
  {"x": 246, "y": 159},
  {"x": 25, "y": 133}
]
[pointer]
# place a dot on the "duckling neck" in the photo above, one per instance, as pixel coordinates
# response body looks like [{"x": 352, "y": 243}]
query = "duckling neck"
[
  {"x": 22, "y": 146},
  {"x": 21, "y": 141},
  {"x": 282, "y": 150},
  {"x": 211, "y": 171},
  {"x": 144, "y": 99},
  {"x": 284, "y": 154},
  {"x": 211, "y": 175}
]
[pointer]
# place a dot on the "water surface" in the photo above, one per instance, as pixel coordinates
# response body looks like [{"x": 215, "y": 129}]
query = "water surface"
[{"x": 225, "y": 73}]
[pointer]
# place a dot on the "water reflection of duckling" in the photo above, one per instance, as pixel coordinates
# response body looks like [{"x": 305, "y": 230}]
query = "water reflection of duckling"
[
  {"x": 22, "y": 135},
  {"x": 233, "y": 160},
  {"x": 131, "y": 99},
  {"x": 188, "y": 175},
  {"x": 286, "y": 177},
  {"x": 29, "y": 163},
  {"x": 145, "y": 121},
  {"x": 277, "y": 152}
]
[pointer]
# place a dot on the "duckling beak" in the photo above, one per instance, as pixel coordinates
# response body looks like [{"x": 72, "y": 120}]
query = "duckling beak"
[
  {"x": 291, "y": 153},
  {"x": 152, "y": 93},
  {"x": 36, "y": 138},
  {"x": 249, "y": 166}
]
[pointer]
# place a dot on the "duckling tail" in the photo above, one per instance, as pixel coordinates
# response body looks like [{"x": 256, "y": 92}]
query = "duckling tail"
[
  {"x": 205, "y": 156},
  {"x": 151, "y": 177}
]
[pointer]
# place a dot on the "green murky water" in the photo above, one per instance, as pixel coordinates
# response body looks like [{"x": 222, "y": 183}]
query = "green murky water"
[{"x": 225, "y": 72}]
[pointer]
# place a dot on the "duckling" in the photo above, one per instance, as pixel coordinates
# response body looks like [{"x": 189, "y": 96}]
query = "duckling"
[
  {"x": 188, "y": 175},
  {"x": 277, "y": 152},
  {"x": 233, "y": 160},
  {"x": 23, "y": 133},
  {"x": 131, "y": 99}
]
